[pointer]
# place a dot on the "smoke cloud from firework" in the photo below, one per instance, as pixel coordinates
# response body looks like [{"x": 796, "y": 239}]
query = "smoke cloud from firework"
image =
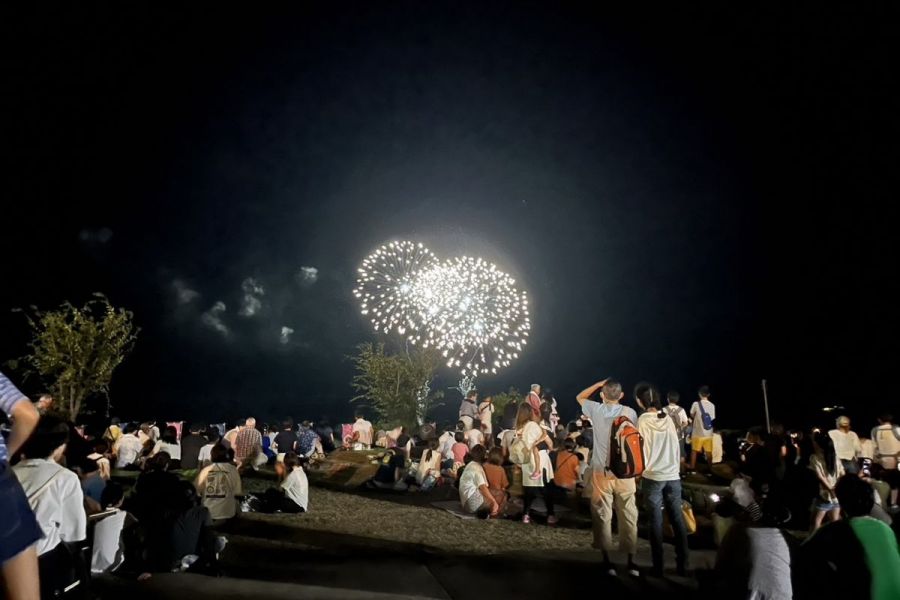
[{"x": 465, "y": 307}]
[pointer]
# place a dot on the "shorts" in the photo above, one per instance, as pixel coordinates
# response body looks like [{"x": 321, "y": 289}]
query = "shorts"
[
  {"x": 702, "y": 445},
  {"x": 20, "y": 529},
  {"x": 826, "y": 506}
]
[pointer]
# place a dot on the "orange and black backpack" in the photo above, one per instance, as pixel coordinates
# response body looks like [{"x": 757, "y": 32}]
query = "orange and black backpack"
[{"x": 626, "y": 449}]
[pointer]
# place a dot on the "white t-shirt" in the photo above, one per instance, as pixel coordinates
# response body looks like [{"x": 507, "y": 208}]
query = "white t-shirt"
[
  {"x": 296, "y": 487},
  {"x": 697, "y": 415},
  {"x": 205, "y": 456},
  {"x": 486, "y": 415},
  {"x": 474, "y": 437},
  {"x": 58, "y": 507},
  {"x": 887, "y": 447},
  {"x": 758, "y": 561},
  {"x": 846, "y": 445},
  {"x": 472, "y": 478},
  {"x": 218, "y": 484},
  {"x": 106, "y": 554},
  {"x": 679, "y": 418},
  {"x": 447, "y": 440},
  {"x": 127, "y": 449},
  {"x": 428, "y": 465},
  {"x": 531, "y": 433},
  {"x": 174, "y": 450}
]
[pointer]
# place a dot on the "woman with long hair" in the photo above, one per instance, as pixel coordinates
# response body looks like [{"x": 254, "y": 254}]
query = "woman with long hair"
[
  {"x": 537, "y": 473},
  {"x": 828, "y": 470}
]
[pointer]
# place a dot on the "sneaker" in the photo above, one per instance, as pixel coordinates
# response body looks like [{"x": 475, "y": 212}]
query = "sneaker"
[
  {"x": 526, "y": 519},
  {"x": 609, "y": 569},
  {"x": 633, "y": 570},
  {"x": 894, "y": 509},
  {"x": 552, "y": 521}
]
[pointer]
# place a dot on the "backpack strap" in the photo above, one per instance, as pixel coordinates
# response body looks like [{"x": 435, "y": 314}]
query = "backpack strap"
[{"x": 33, "y": 496}]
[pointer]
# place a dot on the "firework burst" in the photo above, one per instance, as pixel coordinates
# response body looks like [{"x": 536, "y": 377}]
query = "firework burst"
[
  {"x": 384, "y": 286},
  {"x": 466, "y": 307}
]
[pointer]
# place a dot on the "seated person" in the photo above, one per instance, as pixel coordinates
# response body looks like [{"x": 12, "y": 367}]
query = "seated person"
[
  {"x": 155, "y": 492},
  {"x": 219, "y": 485},
  {"x": 188, "y": 540},
  {"x": 392, "y": 472},
  {"x": 55, "y": 495},
  {"x": 127, "y": 448},
  {"x": 853, "y": 558},
  {"x": 191, "y": 444},
  {"x": 169, "y": 444},
  {"x": 204, "y": 457},
  {"x": 107, "y": 553},
  {"x": 429, "y": 470},
  {"x": 474, "y": 493},
  {"x": 92, "y": 483},
  {"x": 498, "y": 482},
  {"x": 567, "y": 468},
  {"x": 460, "y": 448},
  {"x": 292, "y": 496},
  {"x": 475, "y": 436}
]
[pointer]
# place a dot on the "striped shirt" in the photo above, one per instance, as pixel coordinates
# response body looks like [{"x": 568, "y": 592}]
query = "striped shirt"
[{"x": 9, "y": 397}]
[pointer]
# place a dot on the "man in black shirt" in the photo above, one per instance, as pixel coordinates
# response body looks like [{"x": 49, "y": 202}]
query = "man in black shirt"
[
  {"x": 286, "y": 440},
  {"x": 190, "y": 447}
]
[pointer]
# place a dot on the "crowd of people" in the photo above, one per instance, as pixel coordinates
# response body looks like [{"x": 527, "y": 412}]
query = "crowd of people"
[
  {"x": 69, "y": 515},
  {"x": 66, "y": 518}
]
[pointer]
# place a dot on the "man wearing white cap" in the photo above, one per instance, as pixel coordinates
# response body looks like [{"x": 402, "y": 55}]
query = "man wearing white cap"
[{"x": 846, "y": 444}]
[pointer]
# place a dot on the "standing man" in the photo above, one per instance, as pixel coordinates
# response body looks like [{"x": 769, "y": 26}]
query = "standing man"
[
  {"x": 887, "y": 453},
  {"x": 468, "y": 411},
  {"x": 661, "y": 483},
  {"x": 846, "y": 444},
  {"x": 607, "y": 489},
  {"x": 703, "y": 412},
  {"x": 534, "y": 399},
  {"x": 363, "y": 433},
  {"x": 20, "y": 529},
  {"x": 486, "y": 416},
  {"x": 248, "y": 446},
  {"x": 679, "y": 418}
]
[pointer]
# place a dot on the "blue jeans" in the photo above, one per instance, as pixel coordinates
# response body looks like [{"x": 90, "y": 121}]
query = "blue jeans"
[{"x": 668, "y": 493}]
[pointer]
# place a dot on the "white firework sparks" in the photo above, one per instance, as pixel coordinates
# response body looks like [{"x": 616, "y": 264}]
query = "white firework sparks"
[
  {"x": 474, "y": 314},
  {"x": 465, "y": 307},
  {"x": 385, "y": 284}
]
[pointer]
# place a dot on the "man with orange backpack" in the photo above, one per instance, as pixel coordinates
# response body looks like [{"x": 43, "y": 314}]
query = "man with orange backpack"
[{"x": 614, "y": 466}]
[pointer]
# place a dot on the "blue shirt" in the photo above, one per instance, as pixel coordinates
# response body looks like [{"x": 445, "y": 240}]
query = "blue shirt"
[
  {"x": 9, "y": 397},
  {"x": 602, "y": 415},
  {"x": 93, "y": 486},
  {"x": 306, "y": 441}
]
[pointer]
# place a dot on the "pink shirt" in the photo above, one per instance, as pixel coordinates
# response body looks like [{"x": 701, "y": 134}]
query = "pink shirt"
[{"x": 459, "y": 452}]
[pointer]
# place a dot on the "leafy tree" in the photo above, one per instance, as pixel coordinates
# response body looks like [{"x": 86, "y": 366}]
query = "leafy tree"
[
  {"x": 75, "y": 350},
  {"x": 398, "y": 385}
]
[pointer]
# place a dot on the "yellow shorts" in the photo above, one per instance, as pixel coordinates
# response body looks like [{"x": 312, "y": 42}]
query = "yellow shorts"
[{"x": 702, "y": 445}]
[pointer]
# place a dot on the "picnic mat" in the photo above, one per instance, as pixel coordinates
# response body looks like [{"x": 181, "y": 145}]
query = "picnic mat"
[{"x": 453, "y": 507}]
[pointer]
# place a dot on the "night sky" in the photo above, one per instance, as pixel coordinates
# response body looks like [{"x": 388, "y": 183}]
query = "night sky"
[{"x": 690, "y": 196}]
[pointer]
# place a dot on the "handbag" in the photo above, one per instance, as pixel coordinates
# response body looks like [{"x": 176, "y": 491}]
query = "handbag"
[{"x": 687, "y": 514}]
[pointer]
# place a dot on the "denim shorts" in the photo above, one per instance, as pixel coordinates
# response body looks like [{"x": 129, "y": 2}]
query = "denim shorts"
[
  {"x": 20, "y": 529},
  {"x": 826, "y": 506}
]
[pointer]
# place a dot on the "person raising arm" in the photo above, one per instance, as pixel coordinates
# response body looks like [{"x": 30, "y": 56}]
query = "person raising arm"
[{"x": 587, "y": 392}]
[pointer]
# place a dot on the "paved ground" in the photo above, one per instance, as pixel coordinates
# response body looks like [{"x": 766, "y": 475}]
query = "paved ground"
[{"x": 275, "y": 558}]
